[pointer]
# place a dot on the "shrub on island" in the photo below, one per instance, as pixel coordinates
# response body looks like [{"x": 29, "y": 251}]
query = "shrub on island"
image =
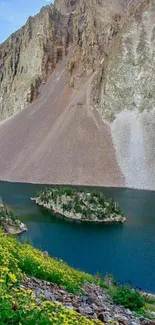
[{"x": 77, "y": 204}]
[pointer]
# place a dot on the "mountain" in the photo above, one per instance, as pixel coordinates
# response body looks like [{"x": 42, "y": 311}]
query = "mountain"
[
  {"x": 31, "y": 54},
  {"x": 84, "y": 70}
]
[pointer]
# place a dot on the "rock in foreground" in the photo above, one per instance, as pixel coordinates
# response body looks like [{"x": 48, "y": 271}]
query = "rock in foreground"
[
  {"x": 94, "y": 303},
  {"x": 82, "y": 205}
]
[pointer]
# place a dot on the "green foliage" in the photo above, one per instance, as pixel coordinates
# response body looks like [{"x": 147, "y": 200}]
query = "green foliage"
[
  {"x": 127, "y": 297},
  {"x": 19, "y": 306},
  {"x": 91, "y": 205},
  {"x": 7, "y": 218},
  {"x": 143, "y": 313},
  {"x": 78, "y": 208},
  {"x": 33, "y": 262},
  {"x": 6, "y": 213},
  {"x": 100, "y": 281},
  {"x": 149, "y": 300}
]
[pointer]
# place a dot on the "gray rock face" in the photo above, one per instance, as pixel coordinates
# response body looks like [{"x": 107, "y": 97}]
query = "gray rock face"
[
  {"x": 127, "y": 97},
  {"x": 29, "y": 56},
  {"x": 129, "y": 81}
]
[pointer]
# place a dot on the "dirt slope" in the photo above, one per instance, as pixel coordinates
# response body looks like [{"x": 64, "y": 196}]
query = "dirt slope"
[{"x": 58, "y": 139}]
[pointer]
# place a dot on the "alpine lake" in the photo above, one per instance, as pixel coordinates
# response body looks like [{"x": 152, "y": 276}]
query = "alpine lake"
[{"x": 127, "y": 251}]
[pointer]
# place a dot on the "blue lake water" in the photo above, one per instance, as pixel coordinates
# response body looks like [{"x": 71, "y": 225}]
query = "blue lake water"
[{"x": 126, "y": 251}]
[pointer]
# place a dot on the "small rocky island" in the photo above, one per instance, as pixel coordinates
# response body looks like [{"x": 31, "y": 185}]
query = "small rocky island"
[
  {"x": 82, "y": 205},
  {"x": 9, "y": 222}
]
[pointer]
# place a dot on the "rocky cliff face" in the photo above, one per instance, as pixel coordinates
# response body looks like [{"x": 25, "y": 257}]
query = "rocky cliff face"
[
  {"x": 127, "y": 96},
  {"x": 30, "y": 55},
  {"x": 108, "y": 50}
]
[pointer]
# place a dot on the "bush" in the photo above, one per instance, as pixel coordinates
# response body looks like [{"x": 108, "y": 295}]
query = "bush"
[{"x": 127, "y": 297}]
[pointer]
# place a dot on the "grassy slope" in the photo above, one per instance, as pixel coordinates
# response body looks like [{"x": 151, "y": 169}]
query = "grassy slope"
[{"x": 19, "y": 307}]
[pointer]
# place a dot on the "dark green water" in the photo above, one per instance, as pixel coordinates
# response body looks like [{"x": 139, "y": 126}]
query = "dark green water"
[{"x": 127, "y": 251}]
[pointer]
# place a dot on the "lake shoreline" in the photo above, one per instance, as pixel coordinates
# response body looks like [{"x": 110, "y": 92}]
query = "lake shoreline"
[
  {"x": 9, "y": 223},
  {"x": 75, "y": 185}
]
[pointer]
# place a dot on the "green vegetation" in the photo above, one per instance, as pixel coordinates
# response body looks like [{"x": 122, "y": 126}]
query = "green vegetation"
[
  {"x": 144, "y": 312},
  {"x": 150, "y": 300},
  {"x": 33, "y": 262},
  {"x": 127, "y": 297},
  {"x": 8, "y": 219},
  {"x": 19, "y": 306},
  {"x": 5, "y": 213},
  {"x": 80, "y": 204}
]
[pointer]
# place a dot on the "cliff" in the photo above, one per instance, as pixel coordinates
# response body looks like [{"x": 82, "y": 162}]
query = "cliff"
[
  {"x": 86, "y": 72},
  {"x": 127, "y": 97},
  {"x": 30, "y": 55}
]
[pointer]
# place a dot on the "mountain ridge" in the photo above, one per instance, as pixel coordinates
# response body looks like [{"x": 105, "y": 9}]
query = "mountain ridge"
[{"x": 83, "y": 69}]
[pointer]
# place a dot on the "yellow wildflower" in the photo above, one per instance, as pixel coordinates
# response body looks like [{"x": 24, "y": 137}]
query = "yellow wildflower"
[{"x": 12, "y": 277}]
